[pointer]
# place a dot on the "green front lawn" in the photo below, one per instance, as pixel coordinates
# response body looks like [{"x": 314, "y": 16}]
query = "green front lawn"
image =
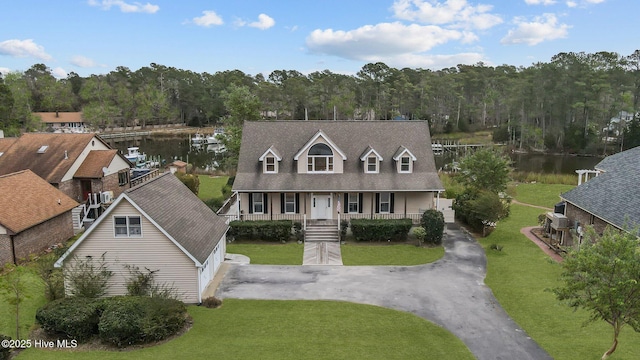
[
  {"x": 211, "y": 186},
  {"x": 519, "y": 276},
  {"x": 34, "y": 298},
  {"x": 269, "y": 254},
  {"x": 254, "y": 329}
]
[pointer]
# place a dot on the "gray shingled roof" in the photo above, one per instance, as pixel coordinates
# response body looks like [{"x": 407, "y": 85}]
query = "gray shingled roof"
[
  {"x": 614, "y": 195},
  {"x": 353, "y": 138},
  {"x": 181, "y": 214}
]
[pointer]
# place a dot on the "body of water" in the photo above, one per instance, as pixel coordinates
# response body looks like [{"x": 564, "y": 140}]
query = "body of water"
[{"x": 179, "y": 147}]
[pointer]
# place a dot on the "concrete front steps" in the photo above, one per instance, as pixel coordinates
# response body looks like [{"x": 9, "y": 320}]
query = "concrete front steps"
[{"x": 322, "y": 244}]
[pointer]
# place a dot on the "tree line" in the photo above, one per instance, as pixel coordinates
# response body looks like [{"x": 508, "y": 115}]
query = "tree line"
[{"x": 565, "y": 104}]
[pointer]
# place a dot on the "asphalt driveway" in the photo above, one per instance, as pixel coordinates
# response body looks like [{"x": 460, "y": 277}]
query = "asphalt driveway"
[{"x": 449, "y": 292}]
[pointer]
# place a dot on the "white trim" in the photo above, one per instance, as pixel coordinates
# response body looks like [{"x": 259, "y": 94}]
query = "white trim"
[
  {"x": 312, "y": 142},
  {"x": 403, "y": 152},
  {"x": 377, "y": 165},
  {"x": 127, "y": 226},
  {"x": 265, "y": 165},
  {"x": 269, "y": 150},
  {"x": 388, "y": 202},
  {"x": 368, "y": 153},
  {"x": 410, "y": 164}
]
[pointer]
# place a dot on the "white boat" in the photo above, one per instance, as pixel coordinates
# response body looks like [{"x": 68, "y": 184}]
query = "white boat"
[
  {"x": 134, "y": 155},
  {"x": 215, "y": 137}
]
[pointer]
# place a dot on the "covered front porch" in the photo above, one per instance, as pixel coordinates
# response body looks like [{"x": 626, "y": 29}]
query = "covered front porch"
[{"x": 306, "y": 207}]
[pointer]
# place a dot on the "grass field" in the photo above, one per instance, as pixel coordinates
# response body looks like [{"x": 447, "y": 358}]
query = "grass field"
[
  {"x": 519, "y": 277},
  {"x": 252, "y": 329},
  {"x": 269, "y": 254},
  {"x": 545, "y": 195},
  {"x": 33, "y": 300},
  {"x": 211, "y": 186}
]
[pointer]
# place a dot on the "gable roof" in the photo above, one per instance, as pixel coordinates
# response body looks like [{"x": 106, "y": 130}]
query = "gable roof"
[
  {"x": 271, "y": 150},
  {"x": 319, "y": 134},
  {"x": 177, "y": 212},
  {"x": 614, "y": 195},
  {"x": 27, "y": 200},
  {"x": 403, "y": 150},
  {"x": 60, "y": 117},
  {"x": 368, "y": 151},
  {"x": 92, "y": 165},
  {"x": 52, "y": 164},
  {"x": 352, "y": 137}
]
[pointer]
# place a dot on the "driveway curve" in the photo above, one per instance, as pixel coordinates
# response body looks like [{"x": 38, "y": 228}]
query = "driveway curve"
[{"x": 449, "y": 292}]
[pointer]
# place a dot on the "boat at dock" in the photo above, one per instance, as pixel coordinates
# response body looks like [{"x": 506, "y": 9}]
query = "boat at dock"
[{"x": 135, "y": 156}]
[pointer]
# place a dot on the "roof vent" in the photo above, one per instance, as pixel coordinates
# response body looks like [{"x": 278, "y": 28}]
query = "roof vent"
[{"x": 42, "y": 149}]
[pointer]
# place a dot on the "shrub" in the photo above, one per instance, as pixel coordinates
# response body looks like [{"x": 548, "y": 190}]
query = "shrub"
[
  {"x": 380, "y": 229},
  {"x": 278, "y": 230},
  {"x": 214, "y": 203},
  {"x": 74, "y": 317},
  {"x": 344, "y": 225},
  {"x": 139, "y": 283},
  {"x": 87, "y": 278},
  {"x": 52, "y": 277},
  {"x": 128, "y": 320},
  {"x": 212, "y": 302},
  {"x": 421, "y": 234},
  {"x": 433, "y": 223},
  {"x": 297, "y": 230},
  {"x": 190, "y": 180}
]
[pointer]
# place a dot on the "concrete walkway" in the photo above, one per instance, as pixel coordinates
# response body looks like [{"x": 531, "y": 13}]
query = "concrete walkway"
[
  {"x": 449, "y": 292},
  {"x": 322, "y": 253}
]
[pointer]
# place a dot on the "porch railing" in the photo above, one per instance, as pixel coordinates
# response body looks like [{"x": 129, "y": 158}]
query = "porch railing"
[{"x": 415, "y": 217}]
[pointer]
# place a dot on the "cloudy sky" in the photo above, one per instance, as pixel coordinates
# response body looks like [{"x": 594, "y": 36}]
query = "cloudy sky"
[{"x": 259, "y": 36}]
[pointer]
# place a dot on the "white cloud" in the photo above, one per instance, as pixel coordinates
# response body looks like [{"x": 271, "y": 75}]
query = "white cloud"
[
  {"x": 264, "y": 22},
  {"x": 542, "y": 28},
  {"x": 83, "y": 62},
  {"x": 572, "y": 4},
  {"x": 23, "y": 48},
  {"x": 583, "y": 3},
  {"x": 208, "y": 18},
  {"x": 4, "y": 70},
  {"x": 125, "y": 7},
  {"x": 59, "y": 73},
  {"x": 455, "y": 13},
  {"x": 540, "y": 2},
  {"x": 371, "y": 42}
]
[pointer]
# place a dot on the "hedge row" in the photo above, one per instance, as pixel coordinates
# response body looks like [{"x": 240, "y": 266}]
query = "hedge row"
[
  {"x": 278, "y": 230},
  {"x": 119, "y": 320},
  {"x": 380, "y": 229}
]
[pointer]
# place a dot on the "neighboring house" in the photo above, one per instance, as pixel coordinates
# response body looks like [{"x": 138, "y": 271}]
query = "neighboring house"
[
  {"x": 325, "y": 170},
  {"x": 76, "y": 164},
  {"x": 161, "y": 226},
  {"x": 33, "y": 216},
  {"x": 178, "y": 166},
  {"x": 63, "y": 122},
  {"x": 610, "y": 198}
]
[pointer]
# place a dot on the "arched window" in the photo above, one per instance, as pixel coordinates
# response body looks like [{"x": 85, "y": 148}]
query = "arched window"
[{"x": 320, "y": 158}]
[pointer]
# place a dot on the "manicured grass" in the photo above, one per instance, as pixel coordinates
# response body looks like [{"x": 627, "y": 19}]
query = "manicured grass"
[
  {"x": 211, "y": 187},
  {"x": 519, "y": 276},
  {"x": 545, "y": 195},
  {"x": 269, "y": 254},
  {"x": 253, "y": 329},
  {"x": 33, "y": 300},
  {"x": 401, "y": 255}
]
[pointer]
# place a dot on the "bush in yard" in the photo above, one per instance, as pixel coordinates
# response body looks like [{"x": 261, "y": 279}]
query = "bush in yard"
[
  {"x": 433, "y": 223},
  {"x": 74, "y": 317},
  {"x": 129, "y": 320},
  {"x": 212, "y": 302},
  {"x": 380, "y": 229},
  {"x": 88, "y": 277},
  {"x": 277, "y": 230},
  {"x": 421, "y": 234},
  {"x": 190, "y": 180}
]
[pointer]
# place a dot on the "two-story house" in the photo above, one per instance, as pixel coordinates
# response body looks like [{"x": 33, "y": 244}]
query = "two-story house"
[{"x": 325, "y": 170}]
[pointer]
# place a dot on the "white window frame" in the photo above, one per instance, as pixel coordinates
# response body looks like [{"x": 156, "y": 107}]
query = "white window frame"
[
  {"x": 131, "y": 230},
  {"x": 270, "y": 161},
  {"x": 353, "y": 199},
  {"x": 408, "y": 164},
  {"x": 369, "y": 163},
  {"x": 312, "y": 164},
  {"x": 386, "y": 201},
  {"x": 260, "y": 197},
  {"x": 290, "y": 202}
]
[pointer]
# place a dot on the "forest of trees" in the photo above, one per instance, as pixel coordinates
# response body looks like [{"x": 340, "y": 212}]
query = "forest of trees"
[{"x": 562, "y": 105}]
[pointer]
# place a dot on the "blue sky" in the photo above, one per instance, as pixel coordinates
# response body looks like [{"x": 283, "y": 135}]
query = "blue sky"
[{"x": 259, "y": 36}]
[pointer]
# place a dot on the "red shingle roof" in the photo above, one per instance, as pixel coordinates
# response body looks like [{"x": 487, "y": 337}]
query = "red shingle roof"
[
  {"x": 27, "y": 200},
  {"x": 92, "y": 165},
  {"x": 60, "y": 117}
]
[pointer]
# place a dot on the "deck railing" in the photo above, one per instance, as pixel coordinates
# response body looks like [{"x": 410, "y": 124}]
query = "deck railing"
[
  {"x": 415, "y": 217},
  {"x": 146, "y": 177}
]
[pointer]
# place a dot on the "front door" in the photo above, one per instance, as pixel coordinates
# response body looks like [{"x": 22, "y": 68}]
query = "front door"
[
  {"x": 321, "y": 207},
  {"x": 86, "y": 189}
]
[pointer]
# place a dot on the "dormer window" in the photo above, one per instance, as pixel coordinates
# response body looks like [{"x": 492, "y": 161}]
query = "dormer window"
[
  {"x": 371, "y": 160},
  {"x": 270, "y": 164},
  {"x": 404, "y": 160},
  {"x": 270, "y": 160},
  {"x": 320, "y": 158}
]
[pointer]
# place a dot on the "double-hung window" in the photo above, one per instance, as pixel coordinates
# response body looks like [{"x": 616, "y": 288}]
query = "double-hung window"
[
  {"x": 289, "y": 203},
  {"x": 385, "y": 202},
  {"x": 352, "y": 203},
  {"x": 127, "y": 226},
  {"x": 372, "y": 164},
  {"x": 258, "y": 203},
  {"x": 270, "y": 164},
  {"x": 405, "y": 164}
]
